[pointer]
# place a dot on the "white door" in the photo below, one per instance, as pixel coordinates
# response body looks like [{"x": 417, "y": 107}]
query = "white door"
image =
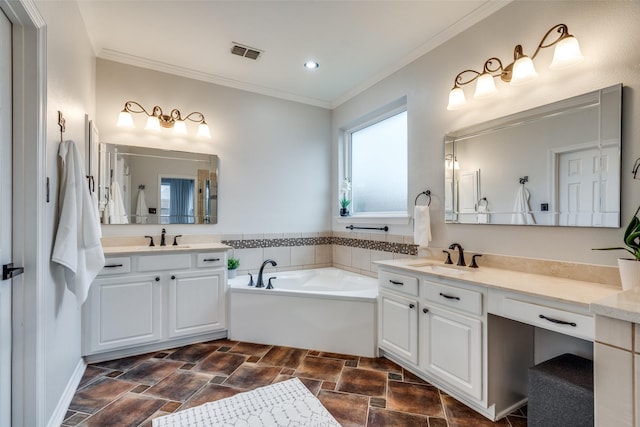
[
  {"x": 5, "y": 218},
  {"x": 468, "y": 191},
  {"x": 586, "y": 196}
]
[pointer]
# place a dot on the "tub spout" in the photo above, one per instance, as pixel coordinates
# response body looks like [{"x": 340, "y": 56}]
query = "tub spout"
[{"x": 260, "y": 283}]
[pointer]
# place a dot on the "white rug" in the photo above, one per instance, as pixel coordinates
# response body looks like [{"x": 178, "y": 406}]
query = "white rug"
[{"x": 287, "y": 403}]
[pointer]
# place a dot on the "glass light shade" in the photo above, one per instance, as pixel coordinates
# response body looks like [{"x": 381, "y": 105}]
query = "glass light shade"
[
  {"x": 203, "y": 130},
  {"x": 523, "y": 71},
  {"x": 153, "y": 124},
  {"x": 456, "y": 99},
  {"x": 125, "y": 120},
  {"x": 485, "y": 86},
  {"x": 179, "y": 127},
  {"x": 566, "y": 53}
]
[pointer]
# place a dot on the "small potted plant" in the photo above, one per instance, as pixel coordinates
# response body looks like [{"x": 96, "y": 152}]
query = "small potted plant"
[
  {"x": 344, "y": 201},
  {"x": 630, "y": 267},
  {"x": 232, "y": 266}
]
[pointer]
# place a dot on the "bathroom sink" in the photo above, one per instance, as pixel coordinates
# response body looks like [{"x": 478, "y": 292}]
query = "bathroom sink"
[
  {"x": 162, "y": 248},
  {"x": 440, "y": 268}
]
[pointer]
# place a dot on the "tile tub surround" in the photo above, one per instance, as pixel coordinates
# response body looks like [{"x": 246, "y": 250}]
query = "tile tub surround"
[{"x": 357, "y": 391}]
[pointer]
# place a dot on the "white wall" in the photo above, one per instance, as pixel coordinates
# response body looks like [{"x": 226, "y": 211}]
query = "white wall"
[
  {"x": 70, "y": 89},
  {"x": 609, "y": 36},
  {"x": 274, "y": 154}
]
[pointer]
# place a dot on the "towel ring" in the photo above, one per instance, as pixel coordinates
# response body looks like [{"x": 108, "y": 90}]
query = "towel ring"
[{"x": 426, "y": 193}]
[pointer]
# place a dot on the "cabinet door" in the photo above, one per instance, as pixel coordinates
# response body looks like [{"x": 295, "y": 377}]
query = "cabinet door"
[
  {"x": 122, "y": 312},
  {"x": 451, "y": 349},
  {"x": 398, "y": 326},
  {"x": 196, "y": 302}
]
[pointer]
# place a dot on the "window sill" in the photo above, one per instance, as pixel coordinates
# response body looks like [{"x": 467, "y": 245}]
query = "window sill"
[{"x": 401, "y": 219}]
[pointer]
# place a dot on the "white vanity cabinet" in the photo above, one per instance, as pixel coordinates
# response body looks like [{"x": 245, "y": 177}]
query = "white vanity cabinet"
[
  {"x": 147, "y": 302},
  {"x": 398, "y": 315},
  {"x": 451, "y": 335}
]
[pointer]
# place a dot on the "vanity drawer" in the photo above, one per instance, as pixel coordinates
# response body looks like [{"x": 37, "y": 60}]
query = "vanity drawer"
[
  {"x": 453, "y": 296},
  {"x": 398, "y": 282},
  {"x": 116, "y": 266},
  {"x": 164, "y": 262},
  {"x": 556, "y": 319},
  {"x": 213, "y": 259}
]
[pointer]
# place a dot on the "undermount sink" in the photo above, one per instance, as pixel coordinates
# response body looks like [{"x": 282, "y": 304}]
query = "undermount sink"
[
  {"x": 440, "y": 268},
  {"x": 162, "y": 248}
]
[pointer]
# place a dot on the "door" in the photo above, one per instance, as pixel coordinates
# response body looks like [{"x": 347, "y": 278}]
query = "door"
[
  {"x": 398, "y": 326},
  {"x": 451, "y": 349},
  {"x": 5, "y": 217},
  {"x": 196, "y": 303}
]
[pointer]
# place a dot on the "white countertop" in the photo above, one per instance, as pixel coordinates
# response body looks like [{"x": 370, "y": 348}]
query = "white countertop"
[
  {"x": 555, "y": 288},
  {"x": 146, "y": 249},
  {"x": 623, "y": 306}
]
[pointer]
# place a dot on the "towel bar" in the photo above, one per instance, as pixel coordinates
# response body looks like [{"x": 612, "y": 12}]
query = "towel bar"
[{"x": 353, "y": 227}]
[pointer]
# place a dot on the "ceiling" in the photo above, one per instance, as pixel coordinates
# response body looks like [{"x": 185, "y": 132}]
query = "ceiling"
[{"x": 356, "y": 43}]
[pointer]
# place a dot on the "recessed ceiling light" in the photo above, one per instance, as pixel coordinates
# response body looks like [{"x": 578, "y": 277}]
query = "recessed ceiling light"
[{"x": 311, "y": 65}]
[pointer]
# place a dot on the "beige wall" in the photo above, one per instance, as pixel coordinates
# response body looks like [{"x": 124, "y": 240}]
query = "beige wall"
[{"x": 609, "y": 38}]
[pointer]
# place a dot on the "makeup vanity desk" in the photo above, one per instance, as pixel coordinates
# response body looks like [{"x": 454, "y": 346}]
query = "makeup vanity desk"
[{"x": 475, "y": 332}]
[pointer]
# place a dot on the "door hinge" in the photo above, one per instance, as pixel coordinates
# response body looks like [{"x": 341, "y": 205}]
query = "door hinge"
[{"x": 9, "y": 271}]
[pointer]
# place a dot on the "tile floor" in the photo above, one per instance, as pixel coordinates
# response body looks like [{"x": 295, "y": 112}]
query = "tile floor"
[{"x": 358, "y": 391}]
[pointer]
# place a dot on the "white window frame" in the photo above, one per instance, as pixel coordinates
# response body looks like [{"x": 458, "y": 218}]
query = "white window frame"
[{"x": 382, "y": 114}]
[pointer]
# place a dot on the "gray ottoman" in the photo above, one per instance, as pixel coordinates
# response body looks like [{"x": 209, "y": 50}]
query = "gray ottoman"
[{"x": 561, "y": 393}]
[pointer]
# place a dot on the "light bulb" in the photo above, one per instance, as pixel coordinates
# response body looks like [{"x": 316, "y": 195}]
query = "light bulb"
[
  {"x": 566, "y": 53},
  {"x": 153, "y": 124},
  {"x": 485, "y": 86},
  {"x": 456, "y": 99},
  {"x": 179, "y": 127},
  {"x": 125, "y": 120},
  {"x": 523, "y": 71},
  {"x": 203, "y": 130}
]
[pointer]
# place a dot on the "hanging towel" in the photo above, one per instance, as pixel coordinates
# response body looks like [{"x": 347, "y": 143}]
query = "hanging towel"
[
  {"x": 483, "y": 214},
  {"x": 421, "y": 226},
  {"x": 77, "y": 246},
  {"x": 117, "y": 212},
  {"x": 521, "y": 212},
  {"x": 141, "y": 208}
]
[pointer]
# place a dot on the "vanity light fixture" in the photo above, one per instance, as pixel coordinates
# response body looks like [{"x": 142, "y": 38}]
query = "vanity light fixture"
[
  {"x": 156, "y": 120},
  {"x": 520, "y": 71},
  {"x": 311, "y": 65}
]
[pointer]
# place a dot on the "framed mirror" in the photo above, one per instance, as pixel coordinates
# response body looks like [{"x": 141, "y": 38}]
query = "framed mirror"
[
  {"x": 139, "y": 185},
  {"x": 555, "y": 165}
]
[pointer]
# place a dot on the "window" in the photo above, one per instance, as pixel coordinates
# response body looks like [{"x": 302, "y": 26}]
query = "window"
[
  {"x": 377, "y": 165},
  {"x": 176, "y": 201}
]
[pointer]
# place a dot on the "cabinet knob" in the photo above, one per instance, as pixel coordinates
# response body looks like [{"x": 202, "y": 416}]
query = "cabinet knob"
[
  {"x": 173, "y": 277},
  {"x": 411, "y": 305},
  {"x": 425, "y": 310},
  {"x": 157, "y": 279}
]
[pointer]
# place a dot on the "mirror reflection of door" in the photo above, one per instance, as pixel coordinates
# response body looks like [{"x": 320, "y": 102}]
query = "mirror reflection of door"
[
  {"x": 468, "y": 191},
  {"x": 177, "y": 200}
]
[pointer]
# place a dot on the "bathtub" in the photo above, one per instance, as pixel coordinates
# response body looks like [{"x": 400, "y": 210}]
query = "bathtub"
[{"x": 325, "y": 309}]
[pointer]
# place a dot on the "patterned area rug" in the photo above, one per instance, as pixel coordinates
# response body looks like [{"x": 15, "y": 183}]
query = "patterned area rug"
[{"x": 288, "y": 403}]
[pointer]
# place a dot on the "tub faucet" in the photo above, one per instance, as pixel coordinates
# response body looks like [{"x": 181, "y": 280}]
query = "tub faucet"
[
  {"x": 260, "y": 283},
  {"x": 162, "y": 238},
  {"x": 461, "y": 262}
]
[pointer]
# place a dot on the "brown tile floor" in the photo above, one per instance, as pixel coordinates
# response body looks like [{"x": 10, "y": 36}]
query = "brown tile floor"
[{"x": 358, "y": 391}]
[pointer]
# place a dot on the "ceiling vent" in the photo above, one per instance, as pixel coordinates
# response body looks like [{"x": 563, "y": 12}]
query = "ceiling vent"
[{"x": 245, "y": 51}]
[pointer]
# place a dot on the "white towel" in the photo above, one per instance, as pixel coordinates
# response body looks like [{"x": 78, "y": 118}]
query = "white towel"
[
  {"x": 141, "y": 208},
  {"x": 77, "y": 246},
  {"x": 421, "y": 226},
  {"x": 483, "y": 214},
  {"x": 521, "y": 212},
  {"x": 117, "y": 212}
]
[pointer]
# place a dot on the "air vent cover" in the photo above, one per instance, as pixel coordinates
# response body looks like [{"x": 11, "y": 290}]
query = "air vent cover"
[{"x": 245, "y": 51}]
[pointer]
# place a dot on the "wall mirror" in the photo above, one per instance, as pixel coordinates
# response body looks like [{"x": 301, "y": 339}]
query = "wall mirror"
[
  {"x": 139, "y": 185},
  {"x": 555, "y": 165}
]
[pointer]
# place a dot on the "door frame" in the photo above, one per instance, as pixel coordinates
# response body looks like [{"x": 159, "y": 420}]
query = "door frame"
[{"x": 28, "y": 390}]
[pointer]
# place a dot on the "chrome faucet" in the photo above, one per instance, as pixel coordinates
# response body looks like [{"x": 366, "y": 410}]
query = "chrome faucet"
[
  {"x": 260, "y": 283},
  {"x": 461, "y": 262},
  {"x": 162, "y": 238}
]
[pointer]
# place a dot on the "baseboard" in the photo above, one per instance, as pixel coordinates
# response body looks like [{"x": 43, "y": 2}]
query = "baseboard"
[{"x": 65, "y": 400}]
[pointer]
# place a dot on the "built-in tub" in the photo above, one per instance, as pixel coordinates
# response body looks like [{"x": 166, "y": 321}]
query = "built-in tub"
[{"x": 324, "y": 309}]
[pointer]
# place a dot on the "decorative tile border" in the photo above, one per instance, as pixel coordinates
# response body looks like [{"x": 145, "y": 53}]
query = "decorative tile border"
[{"x": 376, "y": 245}]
